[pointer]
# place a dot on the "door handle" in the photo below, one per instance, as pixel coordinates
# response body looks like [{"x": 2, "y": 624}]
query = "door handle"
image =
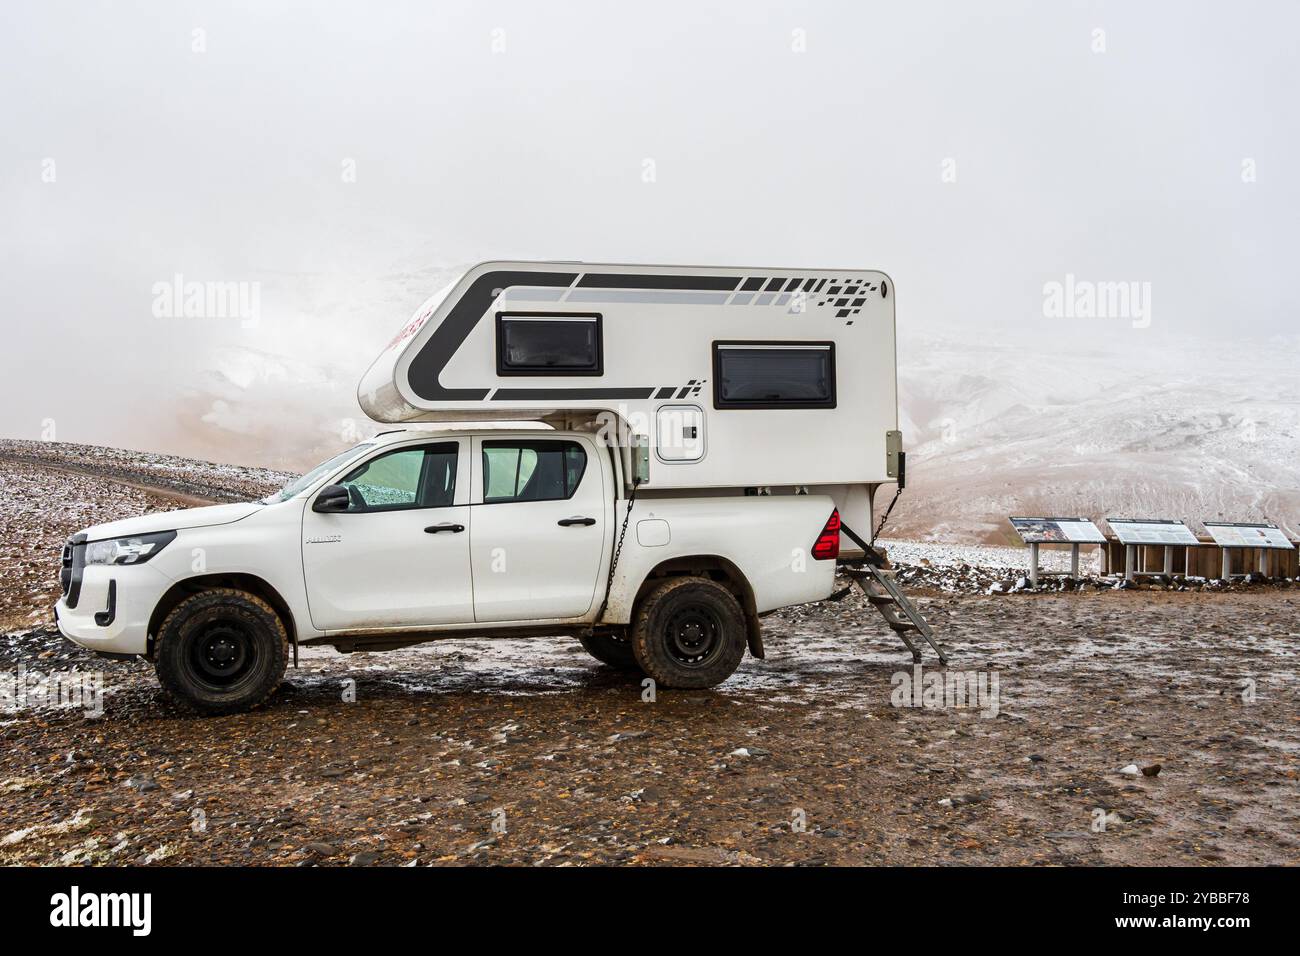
[
  {"x": 565, "y": 522},
  {"x": 453, "y": 528}
]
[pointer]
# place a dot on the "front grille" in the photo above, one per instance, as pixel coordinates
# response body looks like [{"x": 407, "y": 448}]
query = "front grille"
[
  {"x": 65, "y": 571},
  {"x": 73, "y": 565}
]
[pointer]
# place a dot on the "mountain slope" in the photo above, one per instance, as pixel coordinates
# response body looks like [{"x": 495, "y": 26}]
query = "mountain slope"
[{"x": 1180, "y": 432}]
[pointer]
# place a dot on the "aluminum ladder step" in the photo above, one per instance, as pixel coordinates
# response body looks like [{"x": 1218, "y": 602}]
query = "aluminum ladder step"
[{"x": 900, "y": 614}]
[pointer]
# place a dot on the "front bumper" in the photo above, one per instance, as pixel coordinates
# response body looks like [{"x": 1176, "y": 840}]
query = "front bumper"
[{"x": 119, "y": 625}]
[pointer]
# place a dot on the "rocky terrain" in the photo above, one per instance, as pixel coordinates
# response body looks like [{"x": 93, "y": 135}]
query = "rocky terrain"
[
  {"x": 1130, "y": 727},
  {"x": 172, "y": 476}
]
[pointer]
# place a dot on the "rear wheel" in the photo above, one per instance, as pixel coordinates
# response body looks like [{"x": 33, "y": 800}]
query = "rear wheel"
[
  {"x": 689, "y": 632},
  {"x": 611, "y": 648},
  {"x": 222, "y": 651}
]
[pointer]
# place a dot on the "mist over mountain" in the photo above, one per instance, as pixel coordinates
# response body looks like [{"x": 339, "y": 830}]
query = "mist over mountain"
[{"x": 1182, "y": 430}]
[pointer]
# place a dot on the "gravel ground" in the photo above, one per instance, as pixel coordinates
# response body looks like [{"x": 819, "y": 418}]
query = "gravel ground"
[
  {"x": 175, "y": 477},
  {"x": 528, "y": 752},
  {"x": 988, "y": 556}
]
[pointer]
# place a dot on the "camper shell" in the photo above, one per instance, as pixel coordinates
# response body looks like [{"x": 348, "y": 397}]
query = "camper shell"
[{"x": 737, "y": 380}]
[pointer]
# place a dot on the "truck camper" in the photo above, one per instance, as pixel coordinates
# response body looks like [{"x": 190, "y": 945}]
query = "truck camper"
[{"x": 689, "y": 444}]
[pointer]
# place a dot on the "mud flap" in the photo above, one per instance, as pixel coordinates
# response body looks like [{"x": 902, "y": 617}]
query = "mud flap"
[{"x": 754, "y": 636}]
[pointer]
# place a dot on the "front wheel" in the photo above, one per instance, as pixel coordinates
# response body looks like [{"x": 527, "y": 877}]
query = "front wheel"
[
  {"x": 689, "y": 632},
  {"x": 222, "y": 651}
]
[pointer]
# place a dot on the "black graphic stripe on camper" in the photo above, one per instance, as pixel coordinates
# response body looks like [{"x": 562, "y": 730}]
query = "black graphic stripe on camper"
[
  {"x": 455, "y": 328},
  {"x": 623, "y": 280},
  {"x": 546, "y": 394},
  {"x": 451, "y": 333}
]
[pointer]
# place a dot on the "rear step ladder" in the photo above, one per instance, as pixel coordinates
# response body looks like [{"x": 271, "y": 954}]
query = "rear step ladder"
[{"x": 900, "y": 614}]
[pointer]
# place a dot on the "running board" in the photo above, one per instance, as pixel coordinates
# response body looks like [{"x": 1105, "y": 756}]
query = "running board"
[{"x": 899, "y": 613}]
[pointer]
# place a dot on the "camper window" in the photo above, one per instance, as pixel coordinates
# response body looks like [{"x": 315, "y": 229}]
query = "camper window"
[
  {"x": 773, "y": 375},
  {"x": 541, "y": 343},
  {"x": 530, "y": 470}
]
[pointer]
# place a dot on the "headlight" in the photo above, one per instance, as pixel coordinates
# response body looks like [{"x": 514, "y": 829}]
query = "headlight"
[{"x": 136, "y": 549}]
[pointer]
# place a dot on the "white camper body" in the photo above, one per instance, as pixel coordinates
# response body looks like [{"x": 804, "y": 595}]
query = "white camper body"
[{"x": 771, "y": 380}]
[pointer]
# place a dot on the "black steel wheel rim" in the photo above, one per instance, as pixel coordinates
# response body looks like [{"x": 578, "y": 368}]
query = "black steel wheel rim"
[
  {"x": 694, "y": 635},
  {"x": 222, "y": 654}
]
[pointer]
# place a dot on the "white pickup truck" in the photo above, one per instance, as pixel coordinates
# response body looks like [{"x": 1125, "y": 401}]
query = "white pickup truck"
[{"x": 419, "y": 535}]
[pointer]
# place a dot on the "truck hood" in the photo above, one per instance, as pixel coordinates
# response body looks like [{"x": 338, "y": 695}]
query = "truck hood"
[{"x": 173, "y": 520}]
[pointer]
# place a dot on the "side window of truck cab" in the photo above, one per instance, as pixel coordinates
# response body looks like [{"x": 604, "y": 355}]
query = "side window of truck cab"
[
  {"x": 531, "y": 470},
  {"x": 404, "y": 478},
  {"x": 537, "y": 538}
]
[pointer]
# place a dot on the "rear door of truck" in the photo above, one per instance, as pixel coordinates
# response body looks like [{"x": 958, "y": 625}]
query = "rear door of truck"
[{"x": 538, "y": 527}]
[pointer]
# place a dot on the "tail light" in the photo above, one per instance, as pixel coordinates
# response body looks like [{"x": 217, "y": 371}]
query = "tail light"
[{"x": 828, "y": 542}]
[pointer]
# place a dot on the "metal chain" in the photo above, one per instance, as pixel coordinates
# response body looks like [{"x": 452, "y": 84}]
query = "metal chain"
[
  {"x": 885, "y": 517},
  {"x": 618, "y": 549}
]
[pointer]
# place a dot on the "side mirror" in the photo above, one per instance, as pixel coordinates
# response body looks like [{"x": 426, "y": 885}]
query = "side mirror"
[{"x": 332, "y": 498}]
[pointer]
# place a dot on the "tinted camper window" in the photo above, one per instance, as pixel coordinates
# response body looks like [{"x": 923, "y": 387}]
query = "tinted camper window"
[
  {"x": 773, "y": 375},
  {"x": 537, "y": 343}
]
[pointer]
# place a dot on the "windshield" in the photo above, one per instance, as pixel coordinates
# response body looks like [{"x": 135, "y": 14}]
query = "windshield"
[{"x": 316, "y": 474}]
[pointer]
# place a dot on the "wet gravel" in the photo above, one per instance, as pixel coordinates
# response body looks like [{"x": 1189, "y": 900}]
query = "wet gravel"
[
  {"x": 428, "y": 754},
  {"x": 528, "y": 752}
]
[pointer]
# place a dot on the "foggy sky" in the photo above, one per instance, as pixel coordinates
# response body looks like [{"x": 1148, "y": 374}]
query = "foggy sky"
[{"x": 778, "y": 134}]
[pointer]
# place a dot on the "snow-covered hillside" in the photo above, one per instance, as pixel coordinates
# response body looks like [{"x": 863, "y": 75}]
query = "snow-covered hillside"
[{"x": 1180, "y": 430}]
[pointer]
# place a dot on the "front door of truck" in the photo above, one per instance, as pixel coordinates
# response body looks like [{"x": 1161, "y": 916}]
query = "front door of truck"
[
  {"x": 536, "y": 540},
  {"x": 399, "y": 556}
]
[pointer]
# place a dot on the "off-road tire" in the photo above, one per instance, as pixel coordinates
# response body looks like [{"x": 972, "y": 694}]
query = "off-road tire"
[
  {"x": 221, "y": 651},
  {"x": 614, "y": 651},
  {"x": 685, "y": 618}
]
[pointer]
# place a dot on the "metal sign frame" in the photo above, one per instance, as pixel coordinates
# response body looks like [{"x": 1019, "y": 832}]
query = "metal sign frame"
[
  {"x": 1263, "y": 547},
  {"x": 1034, "y": 572},
  {"x": 1131, "y": 546}
]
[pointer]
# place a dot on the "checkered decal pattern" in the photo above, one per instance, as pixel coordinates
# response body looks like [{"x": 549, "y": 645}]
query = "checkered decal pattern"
[
  {"x": 689, "y": 390},
  {"x": 845, "y": 296}
]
